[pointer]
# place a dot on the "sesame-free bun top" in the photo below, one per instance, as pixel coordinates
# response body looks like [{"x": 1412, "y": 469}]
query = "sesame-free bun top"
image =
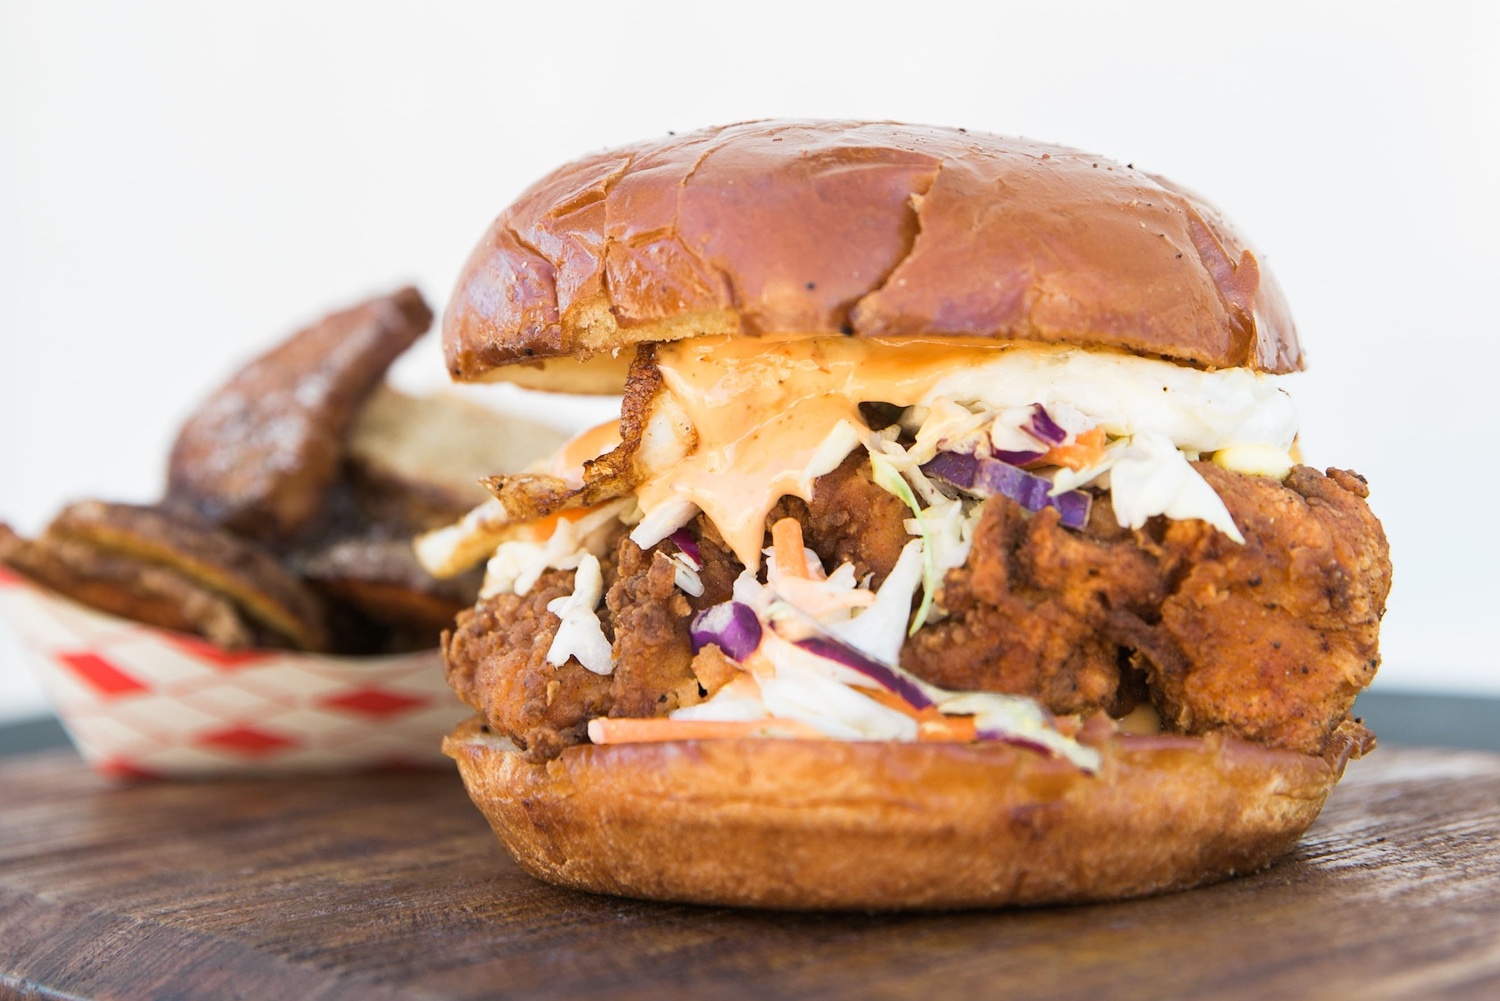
[{"x": 862, "y": 229}]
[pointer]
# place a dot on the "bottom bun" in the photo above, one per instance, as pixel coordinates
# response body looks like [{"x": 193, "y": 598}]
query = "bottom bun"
[{"x": 887, "y": 826}]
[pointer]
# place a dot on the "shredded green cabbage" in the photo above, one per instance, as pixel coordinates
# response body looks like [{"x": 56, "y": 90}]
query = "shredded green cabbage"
[{"x": 888, "y": 478}]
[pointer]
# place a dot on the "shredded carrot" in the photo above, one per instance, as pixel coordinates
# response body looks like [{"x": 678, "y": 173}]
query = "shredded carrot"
[
  {"x": 541, "y": 530},
  {"x": 787, "y": 546},
  {"x": 952, "y": 729},
  {"x": 627, "y": 730},
  {"x": 1083, "y": 451},
  {"x": 893, "y": 701},
  {"x": 932, "y": 725}
]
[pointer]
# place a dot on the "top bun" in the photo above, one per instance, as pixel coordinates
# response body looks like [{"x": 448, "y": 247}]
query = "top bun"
[{"x": 862, "y": 229}]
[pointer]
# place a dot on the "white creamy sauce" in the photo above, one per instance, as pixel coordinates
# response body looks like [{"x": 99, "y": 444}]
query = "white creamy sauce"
[
  {"x": 758, "y": 419},
  {"x": 1199, "y": 411}
]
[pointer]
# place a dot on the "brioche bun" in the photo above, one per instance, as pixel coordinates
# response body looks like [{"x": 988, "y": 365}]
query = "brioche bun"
[
  {"x": 865, "y": 229},
  {"x": 835, "y": 825}
]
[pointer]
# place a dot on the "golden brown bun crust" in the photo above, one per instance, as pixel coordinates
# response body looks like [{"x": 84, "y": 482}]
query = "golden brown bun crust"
[
  {"x": 871, "y": 229},
  {"x": 875, "y": 826}
]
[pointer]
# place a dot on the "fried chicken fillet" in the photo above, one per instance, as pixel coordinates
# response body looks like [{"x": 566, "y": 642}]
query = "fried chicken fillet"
[{"x": 1270, "y": 640}]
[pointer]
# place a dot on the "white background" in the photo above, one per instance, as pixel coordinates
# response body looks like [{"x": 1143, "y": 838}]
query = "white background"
[{"x": 183, "y": 183}]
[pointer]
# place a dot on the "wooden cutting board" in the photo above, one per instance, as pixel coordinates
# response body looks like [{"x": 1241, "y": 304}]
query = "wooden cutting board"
[{"x": 390, "y": 886}]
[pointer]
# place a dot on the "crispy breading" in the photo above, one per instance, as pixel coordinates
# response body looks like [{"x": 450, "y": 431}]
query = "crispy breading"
[
  {"x": 1026, "y": 611},
  {"x": 528, "y": 496},
  {"x": 719, "y": 565},
  {"x": 1277, "y": 636},
  {"x": 496, "y": 657},
  {"x": 1270, "y": 640},
  {"x": 653, "y": 654},
  {"x": 524, "y": 497},
  {"x": 851, "y": 520}
]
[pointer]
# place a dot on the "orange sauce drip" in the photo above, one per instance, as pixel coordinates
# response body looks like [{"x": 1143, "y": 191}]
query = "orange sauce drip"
[
  {"x": 763, "y": 406},
  {"x": 568, "y": 463}
]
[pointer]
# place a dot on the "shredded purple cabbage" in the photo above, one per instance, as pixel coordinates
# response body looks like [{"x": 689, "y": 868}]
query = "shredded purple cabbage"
[
  {"x": 684, "y": 541},
  {"x": 1017, "y": 458},
  {"x": 957, "y": 468},
  {"x": 842, "y": 653},
  {"x": 1042, "y": 427},
  {"x": 731, "y": 625},
  {"x": 986, "y": 477}
]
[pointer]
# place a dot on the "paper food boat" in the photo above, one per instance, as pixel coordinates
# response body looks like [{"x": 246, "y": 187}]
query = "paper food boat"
[{"x": 142, "y": 702}]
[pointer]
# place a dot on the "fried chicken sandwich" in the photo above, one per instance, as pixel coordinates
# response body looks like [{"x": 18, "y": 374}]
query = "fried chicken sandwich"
[{"x": 952, "y": 547}]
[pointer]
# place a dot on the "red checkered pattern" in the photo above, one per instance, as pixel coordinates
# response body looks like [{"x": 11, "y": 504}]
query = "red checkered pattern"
[
  {"x": 246, "y": 741},
  {"x": 210, "y": 654},
  {"x": 106, "y": 678},
  {"x": 376, "y": 703},
  {"x": 142, "y": 703}
]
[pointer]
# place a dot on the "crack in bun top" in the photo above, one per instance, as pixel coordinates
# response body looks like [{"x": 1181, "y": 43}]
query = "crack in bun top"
[{"x": 862, "y": 229}]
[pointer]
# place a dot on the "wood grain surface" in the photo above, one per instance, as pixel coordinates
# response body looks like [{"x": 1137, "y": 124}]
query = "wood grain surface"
[{"x": 390, "y": 886}]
